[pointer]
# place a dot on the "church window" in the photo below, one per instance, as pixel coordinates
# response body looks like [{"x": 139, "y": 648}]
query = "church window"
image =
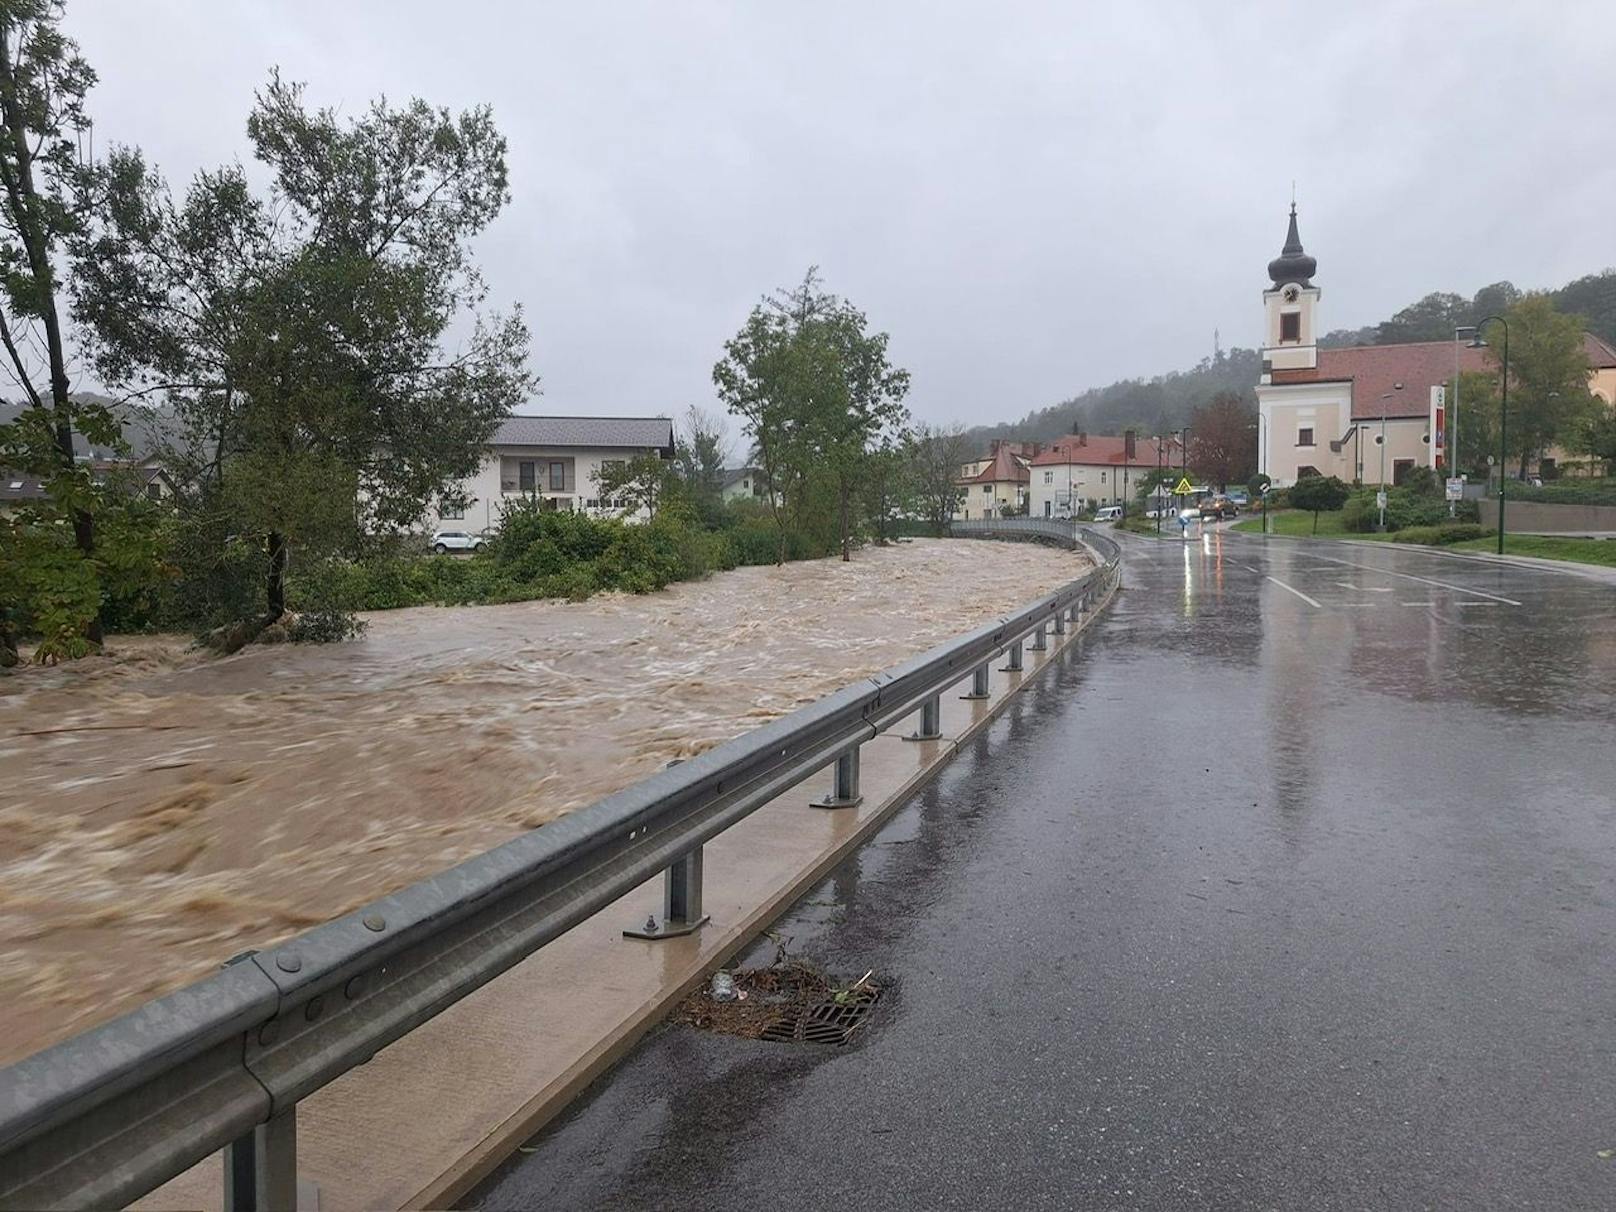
[
  {"x": 1290, "y": 326},
  {"x": 1304, "y": 435}
]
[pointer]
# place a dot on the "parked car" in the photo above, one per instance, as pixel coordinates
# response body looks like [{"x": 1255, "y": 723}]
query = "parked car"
[
  {"x": 1109, "y": 513},
  {"x": 445, "y": 541},
  {"x": 1219, "y": 507}
]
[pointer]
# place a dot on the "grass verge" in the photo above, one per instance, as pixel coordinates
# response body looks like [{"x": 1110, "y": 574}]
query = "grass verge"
[{"x": 1548, "y": 547}]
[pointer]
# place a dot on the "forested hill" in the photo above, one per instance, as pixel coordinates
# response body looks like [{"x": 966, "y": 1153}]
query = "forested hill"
[{"x": 1165, "y": 402}]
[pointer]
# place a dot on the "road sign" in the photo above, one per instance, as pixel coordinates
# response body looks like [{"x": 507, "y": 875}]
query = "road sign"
[
  {"x": 1184, "y": 487},
  {"x": 1380, "y": 499},
  {"x": 1455, "y": 490}
]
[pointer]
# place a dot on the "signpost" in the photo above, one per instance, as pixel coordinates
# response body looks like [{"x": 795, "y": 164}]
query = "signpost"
[{"x": 1455, "y": 488}]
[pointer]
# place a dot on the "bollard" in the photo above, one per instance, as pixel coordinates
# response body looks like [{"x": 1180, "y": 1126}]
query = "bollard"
[
  {"x": 1014, "y": 664},
  {"x": 1040, "y": 638},
  {"x": 844, "y": 791},
  {"x": 979, "y": 683},
  {"x": 931, "y": 720}
]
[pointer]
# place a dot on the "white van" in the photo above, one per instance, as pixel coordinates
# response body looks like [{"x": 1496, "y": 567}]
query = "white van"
[{"x": 1110, "y": 513}]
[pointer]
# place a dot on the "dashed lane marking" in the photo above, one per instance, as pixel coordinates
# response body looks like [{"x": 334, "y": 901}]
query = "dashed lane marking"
[{"x": 1409, "y": 576}]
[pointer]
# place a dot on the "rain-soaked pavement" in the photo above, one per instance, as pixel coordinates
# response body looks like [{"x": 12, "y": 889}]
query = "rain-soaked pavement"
[{"x": 1292, "y": 886}]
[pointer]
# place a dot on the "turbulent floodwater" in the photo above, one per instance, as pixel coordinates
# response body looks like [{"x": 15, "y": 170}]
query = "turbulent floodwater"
[{"x": 161, "y": 811}]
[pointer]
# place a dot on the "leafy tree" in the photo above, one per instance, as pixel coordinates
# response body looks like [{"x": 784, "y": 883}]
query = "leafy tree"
[
  {"x": 1223, "y": 440},
  {"x": 935, "y": 455},
  {"x": 700, "y": 454},
  {"x": 1319, "y": 493},
  {"x": 301, "y": 339},
  {"x": 1477, "y": 415},
  {"x": 1433, "y": 318},
  {"x": 1548, "y": 365},
  {"x": 1597, "y": 435},
  {"x": 888, "y": 487},
  {"x": 635, "y": 484},
  {"x": 47, "y": 193},
  {"x": 815, "y": 395}
]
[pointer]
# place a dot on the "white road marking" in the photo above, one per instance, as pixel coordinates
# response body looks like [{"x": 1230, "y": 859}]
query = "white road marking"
[
  {"x": 1409, "y": 576},
  {"x": 1297, "y": 592},
  {"x": 1478, "y": 603},
  {"x": 1416, "y": 603},
  {"x": 1364, "y": 588}
]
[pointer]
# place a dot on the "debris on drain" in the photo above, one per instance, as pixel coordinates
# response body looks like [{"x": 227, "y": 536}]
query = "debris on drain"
[{"x": 789, "y": 1001}]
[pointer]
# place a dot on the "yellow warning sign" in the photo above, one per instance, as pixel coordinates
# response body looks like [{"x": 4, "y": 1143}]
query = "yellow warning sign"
[{"x": 1184, "y": 487}]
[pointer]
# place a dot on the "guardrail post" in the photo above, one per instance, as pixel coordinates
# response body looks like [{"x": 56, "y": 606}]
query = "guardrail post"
[
  {"x": 1060, "y": 622},
  {"x": 1040, "y": 638},
  {"x": 844, "y": 791},
  {"x": 1014, "y": 664},
  {"x": 260, "y": 1167},
  {"x": 931, "y": 720},
  {"x": 681, "y": 901},
  {"x": 979, "y": 683}
]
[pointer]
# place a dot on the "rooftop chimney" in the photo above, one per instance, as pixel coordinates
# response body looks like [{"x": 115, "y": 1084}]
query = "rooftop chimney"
[
  {"x": 1082, "y": 438},
  {"x": 1128, "y": 446}
]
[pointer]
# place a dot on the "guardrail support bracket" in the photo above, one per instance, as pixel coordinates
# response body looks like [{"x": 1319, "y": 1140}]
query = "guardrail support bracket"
[
  {"x": 681, "y": 901},
  {"x": 979, "y": 683},
  {"x": 931, "y": 720},
  {"x": 845, "y": 790},
  {"x": 1040, "y": 638},
  {"x": 1013, "y": 665},
  {"x": 260, "y": 1169}
]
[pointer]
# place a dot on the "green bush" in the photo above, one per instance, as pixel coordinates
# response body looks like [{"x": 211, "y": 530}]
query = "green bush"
[
  {"x": 1405, "y": 506},
  {"x": 1567, "y": 492},
  {"x": 1440, "y": 536}
]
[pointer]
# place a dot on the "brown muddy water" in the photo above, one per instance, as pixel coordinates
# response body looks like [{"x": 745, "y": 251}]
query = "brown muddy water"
[{"x": 161, "y": 810}]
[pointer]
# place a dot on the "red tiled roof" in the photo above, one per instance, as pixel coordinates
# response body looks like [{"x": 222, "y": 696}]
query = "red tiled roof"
[
  {"x": 1005, "y": 468},
  {"x": 1375, "y": 370},
  {"x": 1103, "y": 450}
]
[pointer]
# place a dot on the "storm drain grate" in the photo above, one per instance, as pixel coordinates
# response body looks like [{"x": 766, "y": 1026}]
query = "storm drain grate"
[{"x": 830, "y": 1021}]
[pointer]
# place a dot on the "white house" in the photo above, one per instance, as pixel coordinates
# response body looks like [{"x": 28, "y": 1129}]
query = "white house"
[
  {"x": 556, "y": 460},
  {"x": 743, "y": 484},
  {"x": 1077, "y": 469}
]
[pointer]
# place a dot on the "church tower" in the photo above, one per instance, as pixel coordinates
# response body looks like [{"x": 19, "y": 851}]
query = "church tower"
[{"x": 1291, "y": 304}]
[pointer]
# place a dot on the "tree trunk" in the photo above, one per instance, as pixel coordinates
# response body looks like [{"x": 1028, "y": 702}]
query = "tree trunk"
[
  {"x": 275, "y": 585},
  {"x": 843, "y": 493},
  {"x": 1315, "y": 521}
]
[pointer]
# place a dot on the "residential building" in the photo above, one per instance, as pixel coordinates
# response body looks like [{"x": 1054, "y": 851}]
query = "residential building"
[
  {"x": 1353, "y": 412},
  {"x": 994, "y": 487},
  {"x": 1080, "y": 468},
  {"x": 554, "y": 460},
  {"x": 743, "y": 484}
]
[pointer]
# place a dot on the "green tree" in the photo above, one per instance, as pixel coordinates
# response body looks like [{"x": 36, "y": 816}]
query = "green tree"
[
  {"x": 701, "y": 451},
  {"x": 935, "y": 455},
  {"x": 301, "y": 341},
  {"x": 631, "y": 485},
  {"x": 47, "y": 193},
  {"x": 1596, "y": 436},
  {"x": 1548, "y": 366},
  {"x": 887, "y": 487},
  {"x": 1477, "y": 415},
  {"x": 1319, "y": 493},
  {"x": 815, "y": 395},
  {"x": 1433, "y": 318}
]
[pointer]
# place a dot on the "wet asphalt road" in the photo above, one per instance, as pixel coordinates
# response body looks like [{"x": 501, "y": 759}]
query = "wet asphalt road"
[{"x": 1293, "y": 885}]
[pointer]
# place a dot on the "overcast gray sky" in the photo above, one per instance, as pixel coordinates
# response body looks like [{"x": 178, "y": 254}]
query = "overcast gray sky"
[{"x": 1032, "y": 198}]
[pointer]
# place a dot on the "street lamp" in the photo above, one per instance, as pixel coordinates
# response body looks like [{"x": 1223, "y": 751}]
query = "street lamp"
[
  {"x": 1380, "y": 496},
  {"x": 1503, "y": 414},
  {"x": 1160, "y": 454},
  {"x": 1453, "y": 413}
]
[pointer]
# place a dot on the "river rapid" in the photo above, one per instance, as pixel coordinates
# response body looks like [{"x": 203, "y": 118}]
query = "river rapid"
[{"x": 161, "y": 810}]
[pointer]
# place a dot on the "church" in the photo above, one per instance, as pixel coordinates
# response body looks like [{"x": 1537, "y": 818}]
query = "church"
[{"x": 1368, "y": 413}]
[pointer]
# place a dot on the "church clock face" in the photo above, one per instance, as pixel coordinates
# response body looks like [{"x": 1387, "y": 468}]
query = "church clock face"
[{"x": 1291, "y": 294}]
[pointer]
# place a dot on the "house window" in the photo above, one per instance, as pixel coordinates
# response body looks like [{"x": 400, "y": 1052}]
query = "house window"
[
  {"x": 1290, "y": 326},
  {"x": 154, "y": 491},
  {"x": 1049, "y": 477},
  {"x": 1102, "y": 477},
  {"x": 987, "y": 490},
  {"x": 1304, "y": 435},
  {"x": 451, "y": 513},
  {"x": 558, "y": 477},
  {"x": 1304, "y": 471},
  {"x": 524, "y": 476}
]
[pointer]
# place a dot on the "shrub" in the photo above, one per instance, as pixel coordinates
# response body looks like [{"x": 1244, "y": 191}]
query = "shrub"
[
  {"x": 1406, "y": 505},
  {"x": 1440, "y": 536}
]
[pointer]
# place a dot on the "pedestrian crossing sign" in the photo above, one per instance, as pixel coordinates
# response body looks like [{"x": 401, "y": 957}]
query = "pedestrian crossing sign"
[{"x": 1184, "y": 487}]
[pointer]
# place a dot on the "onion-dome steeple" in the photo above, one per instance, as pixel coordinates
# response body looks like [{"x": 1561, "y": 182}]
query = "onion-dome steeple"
[{"x": 1292, "y": 264}]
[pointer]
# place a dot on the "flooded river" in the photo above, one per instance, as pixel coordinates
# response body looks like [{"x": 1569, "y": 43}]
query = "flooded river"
[{"x": 161, "y": 810}]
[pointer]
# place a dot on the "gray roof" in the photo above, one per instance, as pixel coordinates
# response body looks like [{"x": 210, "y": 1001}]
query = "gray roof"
[
  {"x": 733, "y": 475},
  {"x": 643, "y": 433},
  {"x": 147, "y": 431}
]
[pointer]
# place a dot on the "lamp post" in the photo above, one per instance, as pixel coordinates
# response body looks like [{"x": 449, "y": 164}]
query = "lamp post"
[
  {"x": 1503, "y": 414},
  {"x": 1453, "y": 413},
  {"x": 1159, "y": 496},
  {"x": 1380, "y": 494}
]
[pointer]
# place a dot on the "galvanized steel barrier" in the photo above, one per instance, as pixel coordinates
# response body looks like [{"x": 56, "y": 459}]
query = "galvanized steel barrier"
[{"x": 104, "y": 1117}]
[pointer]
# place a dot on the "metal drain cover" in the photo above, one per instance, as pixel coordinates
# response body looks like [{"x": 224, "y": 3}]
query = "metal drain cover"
[{"x": 825, "y": 1022}]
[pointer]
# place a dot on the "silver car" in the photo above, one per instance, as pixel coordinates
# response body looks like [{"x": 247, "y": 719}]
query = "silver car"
[{"x": 445, "y": 541}]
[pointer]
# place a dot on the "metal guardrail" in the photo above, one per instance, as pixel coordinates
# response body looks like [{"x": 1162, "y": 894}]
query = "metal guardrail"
[{"x": 106, "y": 1116}]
